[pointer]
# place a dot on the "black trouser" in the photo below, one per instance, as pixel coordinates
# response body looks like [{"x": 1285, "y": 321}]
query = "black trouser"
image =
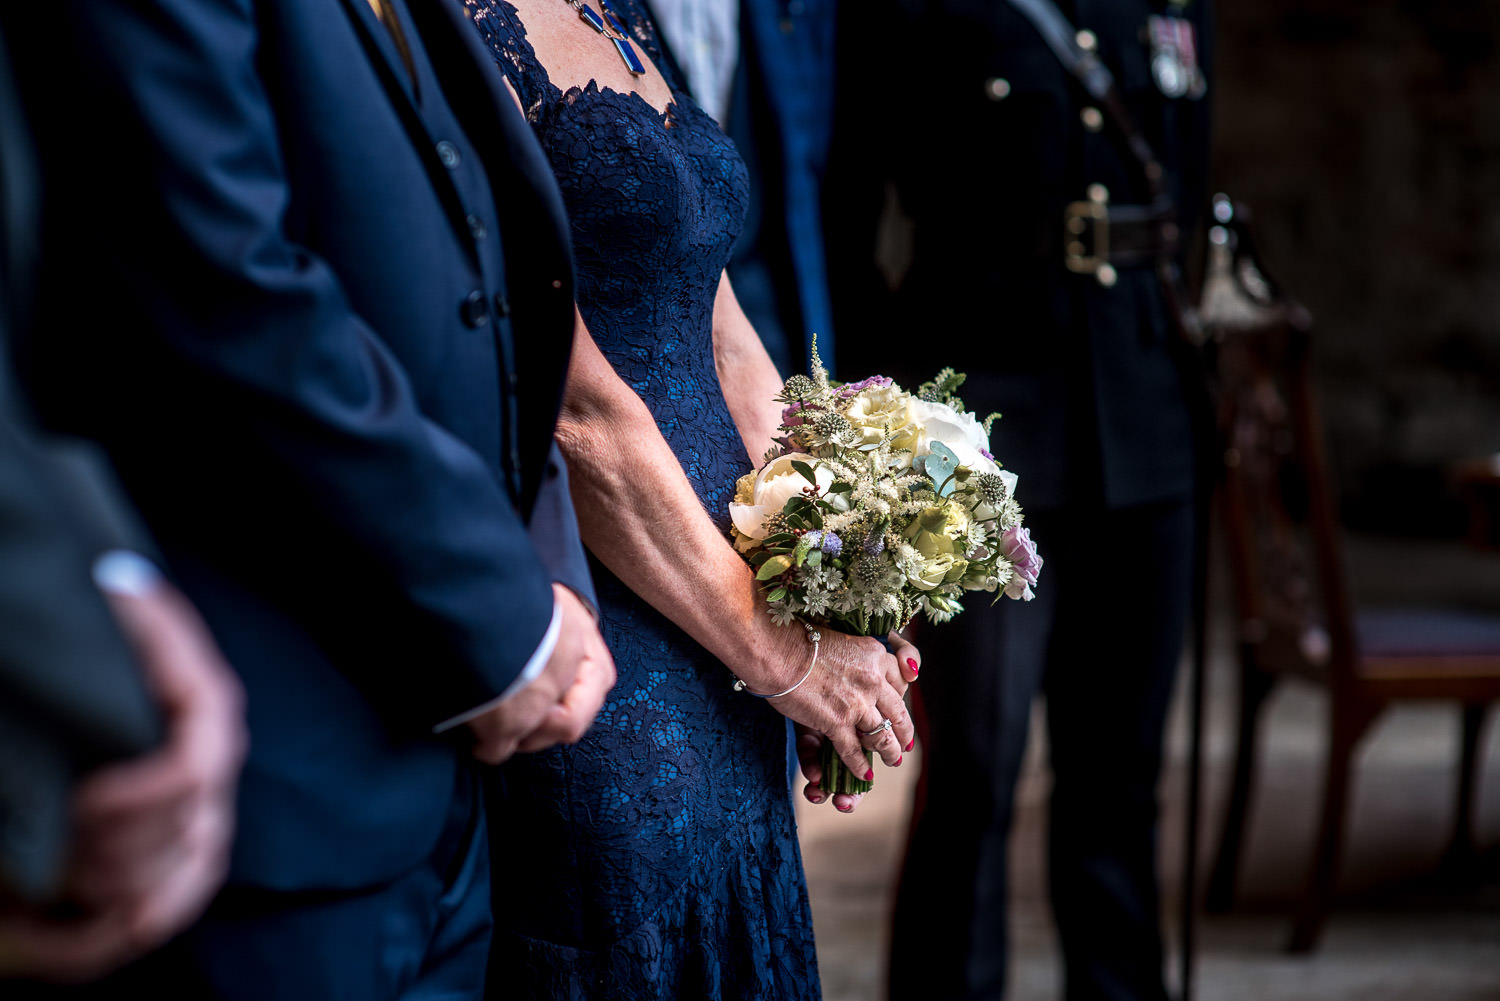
[{"x": 1102, "y": 639}]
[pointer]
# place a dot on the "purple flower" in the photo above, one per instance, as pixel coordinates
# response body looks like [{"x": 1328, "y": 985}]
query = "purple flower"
[
  {"x": 832, "y": 544},
  {"x": 1017, "y": 547},
  {"x": 852, "y": 388},
  {"x": 986, "y": 453},
  {"x": 875, "y": 543},
  {"x": 792, "y": 415}
]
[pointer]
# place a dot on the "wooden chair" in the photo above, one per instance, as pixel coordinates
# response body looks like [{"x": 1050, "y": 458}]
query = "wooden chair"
[{"x": 1291, "y": 597}]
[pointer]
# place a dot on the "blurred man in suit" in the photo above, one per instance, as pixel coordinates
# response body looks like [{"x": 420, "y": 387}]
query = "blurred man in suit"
[
  {"x": 99, "y": 860},
  {"x": 337, "y": 311}
]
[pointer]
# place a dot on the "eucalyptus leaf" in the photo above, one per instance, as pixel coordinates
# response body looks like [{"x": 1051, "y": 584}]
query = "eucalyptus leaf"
[{"x": 774, "y": 567}]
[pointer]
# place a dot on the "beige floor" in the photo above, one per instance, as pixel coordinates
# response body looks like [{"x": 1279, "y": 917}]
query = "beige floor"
[{"x": 1396, "y": 933}]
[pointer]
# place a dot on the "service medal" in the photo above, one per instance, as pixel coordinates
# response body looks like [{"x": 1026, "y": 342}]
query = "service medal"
[{"x": 1174, "y": 58}]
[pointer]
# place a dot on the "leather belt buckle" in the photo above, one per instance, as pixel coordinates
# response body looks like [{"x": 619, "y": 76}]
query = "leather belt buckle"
[{"x": 1086, "y": 236}]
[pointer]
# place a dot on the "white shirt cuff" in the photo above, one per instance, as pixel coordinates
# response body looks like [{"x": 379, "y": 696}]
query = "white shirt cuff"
[{"x": 529, "y": 673}]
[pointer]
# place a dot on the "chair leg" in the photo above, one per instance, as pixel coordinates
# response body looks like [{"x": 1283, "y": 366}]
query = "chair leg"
[
  {"x": 1462, "y": 855},
  {"x": 1255, "y": 686},
  {"x": 1348, "y": 723}
]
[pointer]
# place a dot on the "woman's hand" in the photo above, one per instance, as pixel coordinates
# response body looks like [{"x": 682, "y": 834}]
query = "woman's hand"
[{"x": 859, "y": 680}]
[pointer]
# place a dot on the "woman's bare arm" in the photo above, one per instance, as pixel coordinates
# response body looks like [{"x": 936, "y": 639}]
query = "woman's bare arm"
[{"x": 641, "y": 517}]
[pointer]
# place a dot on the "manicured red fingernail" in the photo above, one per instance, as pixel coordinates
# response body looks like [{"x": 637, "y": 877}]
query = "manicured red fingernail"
[
  {"x": 815, "y": 797},
  {"x": 900, "y": 759},
  {"x": 870, "y": 775},
  {"x": 845, "y": 809},
  {"x": 911, "y": 743},
  {"x": 911, "y": 662}
]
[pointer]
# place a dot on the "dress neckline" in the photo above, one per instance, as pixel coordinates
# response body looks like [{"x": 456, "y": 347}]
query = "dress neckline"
[{"x": 664, "y": 117}]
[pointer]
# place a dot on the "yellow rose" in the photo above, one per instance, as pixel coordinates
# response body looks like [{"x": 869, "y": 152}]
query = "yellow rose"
[
  {"x": 939, "y": 529},
  {"x": 944, "y": 567}
]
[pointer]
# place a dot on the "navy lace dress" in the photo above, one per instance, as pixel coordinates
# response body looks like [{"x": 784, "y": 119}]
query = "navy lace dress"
[{"x": 658, "y": 858}]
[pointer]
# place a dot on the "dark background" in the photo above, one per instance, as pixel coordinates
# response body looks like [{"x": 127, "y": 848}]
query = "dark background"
[{"x": 1365, "y": 136}]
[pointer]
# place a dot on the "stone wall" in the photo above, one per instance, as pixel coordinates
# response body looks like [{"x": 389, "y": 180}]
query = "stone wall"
[{"x": 1365, "y": 134}]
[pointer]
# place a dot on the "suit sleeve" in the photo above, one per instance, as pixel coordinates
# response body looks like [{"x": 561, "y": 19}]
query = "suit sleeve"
[
  {"x": 293, "y": 423},
  {"x": 554, "y": 531}
]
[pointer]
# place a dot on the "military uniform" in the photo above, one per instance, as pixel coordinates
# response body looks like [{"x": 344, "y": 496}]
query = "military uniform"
[{"x": 1011, "y": 183}]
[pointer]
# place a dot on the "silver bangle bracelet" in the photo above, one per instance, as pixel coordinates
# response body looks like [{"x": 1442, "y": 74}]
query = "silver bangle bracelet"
[{"x": 814, "y": 636}]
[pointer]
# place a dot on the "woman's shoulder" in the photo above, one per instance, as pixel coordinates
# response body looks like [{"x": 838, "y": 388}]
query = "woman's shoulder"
[{"x": 500, "y": 26}]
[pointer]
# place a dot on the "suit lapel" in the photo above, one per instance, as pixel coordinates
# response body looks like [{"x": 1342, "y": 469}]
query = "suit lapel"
[
  {"x": 379, "y": 39},
  {"x": 534, "y": 227},
  {"x": 489, "y": 114},
  {"x": 390, "y": 66}
]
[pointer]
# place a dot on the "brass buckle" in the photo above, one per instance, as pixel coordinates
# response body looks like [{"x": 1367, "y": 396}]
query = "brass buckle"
[{"x": 1089, "y": 219}]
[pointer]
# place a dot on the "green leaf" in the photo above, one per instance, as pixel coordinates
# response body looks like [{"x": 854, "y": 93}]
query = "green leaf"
[
  {"x": 841, "y": 487},
  {"x": 779, "y": 539},
  {"x": 777, "y": 594},
  {"x": 815, "y": 557},
  {"x": 805, "y": 470},
  {"x": 774, "y": 567}
]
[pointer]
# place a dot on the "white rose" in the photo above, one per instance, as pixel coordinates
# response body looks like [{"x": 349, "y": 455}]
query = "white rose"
[
  {"x": 959, "y": 431},
  {"x": 774, "y": 485}
]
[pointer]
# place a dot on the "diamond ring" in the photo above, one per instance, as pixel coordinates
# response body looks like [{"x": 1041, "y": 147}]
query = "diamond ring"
[{"x": 885, "y": 725}]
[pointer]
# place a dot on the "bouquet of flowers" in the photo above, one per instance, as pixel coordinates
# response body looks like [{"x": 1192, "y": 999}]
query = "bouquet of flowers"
[{"x": 876, "y": 504}]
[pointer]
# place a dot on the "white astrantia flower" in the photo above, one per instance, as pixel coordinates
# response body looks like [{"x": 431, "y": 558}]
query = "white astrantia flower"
[{"x": 781, "y": 614}]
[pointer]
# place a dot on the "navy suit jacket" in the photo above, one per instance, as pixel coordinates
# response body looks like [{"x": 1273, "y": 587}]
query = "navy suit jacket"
[{"x": 273, "y": 292}]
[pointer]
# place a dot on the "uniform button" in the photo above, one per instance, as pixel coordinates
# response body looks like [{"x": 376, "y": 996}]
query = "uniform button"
[
  {"x": 997, "y": 88},
  {"x": 1106, "y": 275},
  {"x": 1092, "y": 119},
  {"x": 448, "y": 154},
  {"x": 1098, "y": 193},
  {"x": 502, "y": 304},
  {"x": 557, "y": 283},
  {"x": 1086, "y": 40},
  {"x": 476, "y": 226},
  {"x": 513, "y": 381},
  {"x": 473, "y": 310}
]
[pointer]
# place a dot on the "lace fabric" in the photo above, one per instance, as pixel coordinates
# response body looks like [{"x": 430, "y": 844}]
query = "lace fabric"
[{"x": 658, "y": 857}]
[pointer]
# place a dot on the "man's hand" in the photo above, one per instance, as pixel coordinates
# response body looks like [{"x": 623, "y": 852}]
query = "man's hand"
[
  {"x": 151, "y": 836},
  {"x": 560, "y": 705}
]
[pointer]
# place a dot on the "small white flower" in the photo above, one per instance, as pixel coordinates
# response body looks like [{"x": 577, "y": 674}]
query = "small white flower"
[{"x": 781, "y": 614}]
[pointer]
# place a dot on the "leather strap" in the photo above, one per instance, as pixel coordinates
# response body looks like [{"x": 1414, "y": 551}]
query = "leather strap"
[{"x": 1097, "y": 81}]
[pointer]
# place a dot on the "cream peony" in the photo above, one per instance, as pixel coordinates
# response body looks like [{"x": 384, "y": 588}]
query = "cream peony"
[
  {"x": 959, "y": 431},
  {"x": 760, "y": 495}
]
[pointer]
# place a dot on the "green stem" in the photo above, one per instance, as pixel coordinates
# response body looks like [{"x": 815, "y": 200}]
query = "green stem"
[{"x": 836, "y": 776}]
